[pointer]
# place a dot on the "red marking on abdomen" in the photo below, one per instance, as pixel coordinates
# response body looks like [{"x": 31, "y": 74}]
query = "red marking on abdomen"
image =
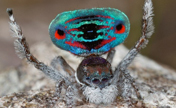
[
  {"x": 74, "y": 29},
  {"x": 105, "y": 42},
  {"x": 105, "y": 16},
  {"x": 120, "y": 31},
  {"x": 57, "y": 36},
  {"x": 75, "y": 44},
  {"x": 71, "y": 20},
  {"x": 104, "y": 27}
]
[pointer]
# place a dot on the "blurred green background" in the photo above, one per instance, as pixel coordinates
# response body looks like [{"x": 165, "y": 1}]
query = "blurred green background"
[{"x": 34, "y": 16}]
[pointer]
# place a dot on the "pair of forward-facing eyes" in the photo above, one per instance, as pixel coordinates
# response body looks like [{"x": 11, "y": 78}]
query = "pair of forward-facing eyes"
[
  {"x": 98, "y": 81},
  {"x": 119, "y": 29}
]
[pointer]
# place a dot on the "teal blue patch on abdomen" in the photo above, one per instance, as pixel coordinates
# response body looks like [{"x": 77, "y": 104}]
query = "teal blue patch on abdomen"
[{"x": 89, "y": 31}]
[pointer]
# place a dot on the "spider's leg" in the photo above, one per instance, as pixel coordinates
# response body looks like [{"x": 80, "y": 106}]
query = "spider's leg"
[
  {"x": 74, "y": 96},
  {"x": 110, "y": 55},
  {"x": 62, "y": 66},
  {"x": 23, "y": 51},
  {"x": 132, "y": 82},
  {"x": 69, "y": 96},
  {"x": 147, "y": 31},
  {"x": 125, "y": 85},
  {"x": 59, "y": 85}
]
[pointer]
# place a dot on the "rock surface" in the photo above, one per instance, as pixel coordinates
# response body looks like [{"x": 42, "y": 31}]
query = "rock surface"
[{"x": 156, "y": 83}]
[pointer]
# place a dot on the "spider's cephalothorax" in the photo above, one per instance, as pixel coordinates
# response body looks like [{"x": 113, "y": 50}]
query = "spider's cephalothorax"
[
  {"x": 94, "y": 71},
  {"x": 89, "y": 31},
  {"x": 95, "y": 74}
]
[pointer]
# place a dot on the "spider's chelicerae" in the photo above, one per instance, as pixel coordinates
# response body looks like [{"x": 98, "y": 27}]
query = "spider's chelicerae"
[{"x": 89, "y": 33}]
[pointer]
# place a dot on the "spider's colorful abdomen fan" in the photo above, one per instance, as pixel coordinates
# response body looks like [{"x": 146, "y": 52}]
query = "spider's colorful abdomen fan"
[{"x": 89, "y": 31}]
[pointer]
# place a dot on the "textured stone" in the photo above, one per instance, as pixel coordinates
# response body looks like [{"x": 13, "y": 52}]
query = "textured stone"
[{"x": 156, "y": 83}]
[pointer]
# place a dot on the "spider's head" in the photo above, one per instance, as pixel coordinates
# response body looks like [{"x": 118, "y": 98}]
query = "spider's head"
[
  {"x": 89, "y": 31},
  {"x": 94, "y": 71}
]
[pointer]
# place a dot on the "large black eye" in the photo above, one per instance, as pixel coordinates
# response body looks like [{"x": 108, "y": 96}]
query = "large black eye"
[
  {"x": 104, "y": 80},
  {"x": 59, "y": 34},
  {"x": 96, "y": 81},
  {"x": 120, "y": 28}
]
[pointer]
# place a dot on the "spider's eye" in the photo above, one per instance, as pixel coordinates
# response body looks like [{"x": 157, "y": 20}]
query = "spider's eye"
[
  {"x": 104, "y": 80},
  {"x": 120, "y": 28},
  {"x": 59, "y": 34},
  {"x": 88, "y": 78},
  {"x": 96, "y": 81}
]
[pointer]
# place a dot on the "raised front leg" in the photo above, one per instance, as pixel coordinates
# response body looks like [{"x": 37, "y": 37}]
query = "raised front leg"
[
  {"x": 23, "y": 51},
  {"x": 147, "y": 31}
]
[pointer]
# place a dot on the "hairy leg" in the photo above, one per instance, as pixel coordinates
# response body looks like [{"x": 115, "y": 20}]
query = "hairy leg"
[
  {"x": 62, "y": 66},
  {"x": 58, "y": 88},
  {"x": 147, "y": 31},
  {"x": 62, "y": 82},
  {"x": 110, "y": 55},
  {"x": 23, "y": 51},
  {"x": 132, "y": 83}
]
